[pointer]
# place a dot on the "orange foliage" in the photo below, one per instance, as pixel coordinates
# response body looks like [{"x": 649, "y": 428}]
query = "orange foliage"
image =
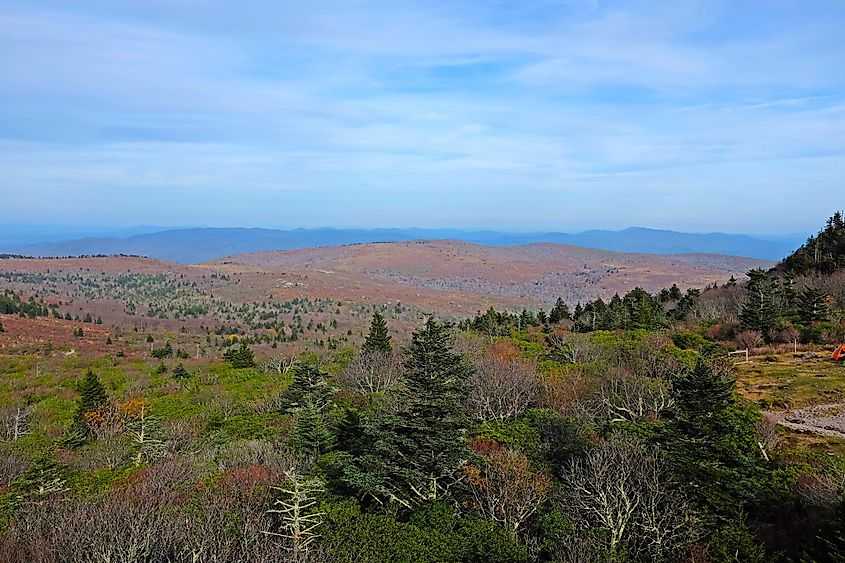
[
  {"x": 508, "y": 490},
  {"x": 134, "y": 409},
  {"x": 504, "y": 351},
  {"x": 484, "y": 446}
]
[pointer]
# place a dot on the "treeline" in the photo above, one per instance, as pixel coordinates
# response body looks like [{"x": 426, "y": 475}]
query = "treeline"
[
  {"x": 12, "y": 304},
  {"x": 7, "y": 256},
  {"x": 637, "y": 309},
  {"x": 775, "y": 306}
]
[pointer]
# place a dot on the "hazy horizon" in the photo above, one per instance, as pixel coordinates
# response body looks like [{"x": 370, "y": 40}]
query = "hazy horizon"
[{"x": 103, "y": 228}]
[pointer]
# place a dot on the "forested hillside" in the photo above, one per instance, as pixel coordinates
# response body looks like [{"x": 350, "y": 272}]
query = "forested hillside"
[{"x": 823, "y": 253}]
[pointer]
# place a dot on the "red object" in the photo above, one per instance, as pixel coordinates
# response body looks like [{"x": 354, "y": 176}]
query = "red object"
[{"x": 839, "y": 353}]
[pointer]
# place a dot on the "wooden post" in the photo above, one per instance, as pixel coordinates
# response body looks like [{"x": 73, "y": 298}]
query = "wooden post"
[{"x": 741, "y": 352}]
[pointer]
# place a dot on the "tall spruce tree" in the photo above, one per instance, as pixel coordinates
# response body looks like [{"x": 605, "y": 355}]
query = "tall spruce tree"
[
  {"x": 787, "y": 296},
  {"x": 760, "y": 310},
  {"x": 813, "y": 306},
  {"x": 416, "y": 452},
  {"x": 559, "y": 313},
  {"x": 378, "y": 339},
  {"x": 712, "y": 442}
]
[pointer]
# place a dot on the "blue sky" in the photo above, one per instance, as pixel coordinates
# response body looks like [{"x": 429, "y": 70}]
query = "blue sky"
[{"x": 511, "y": 115}]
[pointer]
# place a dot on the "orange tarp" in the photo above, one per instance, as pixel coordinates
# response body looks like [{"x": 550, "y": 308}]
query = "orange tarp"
[{"x": 839, "y": 353}]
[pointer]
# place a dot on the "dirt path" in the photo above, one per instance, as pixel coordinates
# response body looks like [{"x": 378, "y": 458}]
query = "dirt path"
[{"x": 826, "y": 420}]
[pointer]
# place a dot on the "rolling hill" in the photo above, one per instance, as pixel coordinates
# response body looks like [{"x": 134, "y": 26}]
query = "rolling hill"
[
  {"x": 530, "y": 274},
  {"x": 193, "y": 245}
]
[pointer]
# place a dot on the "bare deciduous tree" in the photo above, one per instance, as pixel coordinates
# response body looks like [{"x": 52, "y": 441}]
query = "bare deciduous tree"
[
  {"x": 648, "y": 359},
  {"x": 15, "y": 422},
  {"x": 632, "y": 398},
  {"x": 279, "y": 364},
  {"x": 107, "y": 422},
  {"x": 749, "y": 339},
  {"x": 503, "y": 385},
  {"x": 722, "y": 304},
  {"x": 768, "y": 435},
  {"x": 621, "y": 486},
  {"x": 12, "y": 465},
  {"x": 470, "y": 346},
  {"x": 571, "y": 392},
  {"x": 506, "y": 489},
  {"x": 371, "y": 372}
]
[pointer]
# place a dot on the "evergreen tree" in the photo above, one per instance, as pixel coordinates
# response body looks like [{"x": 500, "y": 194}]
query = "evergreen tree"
[
  {"x": 559, "y": 313},
  {"x": 44, "y": 478},
  {"x": 687, "y": 304},
  {"x": 526, "y": 318},
  {"x": 415, "y": 453},
  {"x": 760, "y": 311},
  {"x": 829, "y": 542},
  {"x": 241, "y": 357},
  {"x": 489, "y": 323},
  {"x": 788, "y": 297},
  {"x": 308, "y": 399},
  {"x": 92, "y": 395},
  {"x": 813, "y": 306},
  {"x": 179, "y": 372},
  {"x": 712, "y": 442},
  {"x": 674, "y": 292},
  {"x": 1, "y": 328},
  {"x": 642, "y": 311},
  {"x": 615, "y": 314},
  {"x": 378, "y": 339},
  {"x": 165, "y": 351},
  {"x": 579, "y": 319}
]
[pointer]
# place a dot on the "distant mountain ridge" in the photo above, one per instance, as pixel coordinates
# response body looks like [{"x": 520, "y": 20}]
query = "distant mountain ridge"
[{"x": 193, "y": 245}]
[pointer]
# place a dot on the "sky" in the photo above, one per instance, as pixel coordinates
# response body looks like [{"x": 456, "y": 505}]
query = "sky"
[{"x": 516, "y": 115}]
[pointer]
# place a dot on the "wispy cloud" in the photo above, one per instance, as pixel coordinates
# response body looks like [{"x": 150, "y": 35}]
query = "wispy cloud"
[{"x": 533, "y": 114}]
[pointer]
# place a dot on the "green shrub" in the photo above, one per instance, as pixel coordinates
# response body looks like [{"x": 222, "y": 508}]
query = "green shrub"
[
  {"x": 165, "y": 351},
  {"x": 734, "y": 543},
  {"x": 432, "y": 534},
  {"x": 179, "y": 372},
  {"x": 823, "y": 333},
  {"x": 241, "y": 357}
]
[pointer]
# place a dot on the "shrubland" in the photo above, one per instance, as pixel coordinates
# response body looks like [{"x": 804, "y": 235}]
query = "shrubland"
[{"x": 610, "y": 431}]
